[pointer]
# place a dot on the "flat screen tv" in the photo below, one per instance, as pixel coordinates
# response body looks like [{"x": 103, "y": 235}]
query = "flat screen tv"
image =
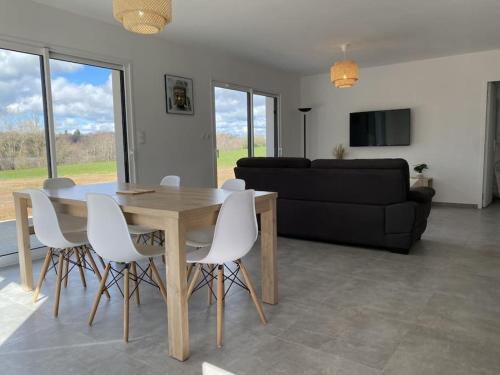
[{"x": 380, "y": 128}]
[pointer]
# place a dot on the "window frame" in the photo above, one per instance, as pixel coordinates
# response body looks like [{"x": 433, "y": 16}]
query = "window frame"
[
  {"x": 60, "y": 53},
  {"x": 250, "y": 118}
]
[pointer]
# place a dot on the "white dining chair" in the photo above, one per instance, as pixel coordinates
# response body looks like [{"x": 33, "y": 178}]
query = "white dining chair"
[
  {"x": 203, "y": 237},
  {"x": 143, "y": 233},
  {"x": 58, "y": 183},
  {"x": 172, "y": 181},
  {"x": 62, "y": 245},
  {"x": 69, "y": 223},
  {"x": 234, "y": 236},
  {"x": 109, "y": 236}
]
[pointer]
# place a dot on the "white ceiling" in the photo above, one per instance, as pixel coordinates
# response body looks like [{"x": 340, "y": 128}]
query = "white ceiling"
[{"x": 304, "y": 36}]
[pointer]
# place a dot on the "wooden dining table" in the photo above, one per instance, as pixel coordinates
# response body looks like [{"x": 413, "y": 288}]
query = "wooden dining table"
[{"x": 174, "y": 211}]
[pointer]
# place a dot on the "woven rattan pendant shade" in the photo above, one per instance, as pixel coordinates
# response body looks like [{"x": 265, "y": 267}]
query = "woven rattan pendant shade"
[
  {"x": 344, "y": 73},
  {"x": 143, "y": 16}
]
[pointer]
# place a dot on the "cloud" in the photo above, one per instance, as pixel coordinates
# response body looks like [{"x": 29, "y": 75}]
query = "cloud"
[
  {"x": 231, "y": 112},
  {"x": 84, "y": 106},
  {"x": 60, "y": 66}
]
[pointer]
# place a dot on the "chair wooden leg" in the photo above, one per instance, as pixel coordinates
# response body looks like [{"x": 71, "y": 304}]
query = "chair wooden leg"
[
  {"x": 58, "y": 283},
  {"x": 189, "y": 270},
  {"x": 194, "y": 280},
  {"x": 220, "y": 304},
  {"x": 102, "y": 287},
  {"x": 103, "y": 264},
  {"x": 43, "y": 272},
  {"x": 66, "y": 269},
  {"x": 80, "y": 267},
  {"x": 158, "y": 280},
  {"x": 96, "y": 270},
  {"x": 210, "y": 283},
  {"x": 133, "y": 269},
  {"x": 150, "y": 271},
  {"x": 250, "y": 287},
  {"x": 126, "y": 298}
]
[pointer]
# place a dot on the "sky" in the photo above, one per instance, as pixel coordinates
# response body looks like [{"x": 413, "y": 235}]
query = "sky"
[
  {"x": 231, "y": 115},
  {"x": 83, "y": 99}
]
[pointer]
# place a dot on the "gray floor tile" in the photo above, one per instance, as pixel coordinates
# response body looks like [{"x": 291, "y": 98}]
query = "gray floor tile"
[{"x": 343, "y": 310}]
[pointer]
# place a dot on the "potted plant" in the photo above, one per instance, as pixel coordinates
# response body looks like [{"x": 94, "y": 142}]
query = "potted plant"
[{"x": 419, "y": 168}]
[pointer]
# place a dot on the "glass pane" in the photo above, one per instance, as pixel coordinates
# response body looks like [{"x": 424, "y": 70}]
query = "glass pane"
[
  {"x": 231, "y": 123},
  {"x": 263, "y": 125},
  {"x": 23, "y": 153},
  {"x": 84, "y": 122}
]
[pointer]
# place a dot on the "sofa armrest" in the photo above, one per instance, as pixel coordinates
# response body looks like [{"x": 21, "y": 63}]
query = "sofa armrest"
[
  {"x": 400, "y": 217},
  {"x": 421, "y": 194}
]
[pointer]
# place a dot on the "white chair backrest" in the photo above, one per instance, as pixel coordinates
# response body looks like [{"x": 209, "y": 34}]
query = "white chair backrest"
[
  {"x": 107, "y": 229},
  {"x": 235, "y": 184},
  {"x": 58, "y": 183},
  {"x": 235, "y": 230},
  {"x": 45, "y": 222},
  {"x": 173, "y": 181}
]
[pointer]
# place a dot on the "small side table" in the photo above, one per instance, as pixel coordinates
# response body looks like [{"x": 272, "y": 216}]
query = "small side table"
[{"x": 420, "y": 182}]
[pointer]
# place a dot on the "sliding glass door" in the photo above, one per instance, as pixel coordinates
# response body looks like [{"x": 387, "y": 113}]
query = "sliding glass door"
[
  {"x": 246, "y": 124},
  {"x": 231, "y": 126},
  {"x": 23, "y": 131},
  {"x": 85, "y": 127},
  {"x": 265, "y": 125},
  {"x": 58, "y": 117}
]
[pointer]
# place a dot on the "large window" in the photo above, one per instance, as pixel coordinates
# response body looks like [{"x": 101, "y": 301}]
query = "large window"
[
  {"x": 84, "y": 121},
  {"x": 59, "y": 116},
  {"x": 23, "y": 131},
  {"x": 246, "y": 124}
]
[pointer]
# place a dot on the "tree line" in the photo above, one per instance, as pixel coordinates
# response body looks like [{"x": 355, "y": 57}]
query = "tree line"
[{"x": 22, "y": 145}]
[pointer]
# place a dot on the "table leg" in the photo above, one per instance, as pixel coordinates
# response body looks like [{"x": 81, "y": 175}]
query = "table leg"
[
  {"x": 177, "y": 305},
  {"x": 269, "y": 254},
  {"x": 23, "y": 243}
]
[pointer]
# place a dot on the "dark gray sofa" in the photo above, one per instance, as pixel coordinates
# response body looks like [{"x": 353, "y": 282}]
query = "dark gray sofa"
[{"x": 363, "y": 202}]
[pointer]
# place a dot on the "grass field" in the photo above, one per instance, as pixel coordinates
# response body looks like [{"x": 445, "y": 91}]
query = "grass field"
[
  {"x": 88, "y": 173},
  {"x": 13, "y": 180},
  {"x": 227, "y": 161},
  {"x": 103, "y": 167}
]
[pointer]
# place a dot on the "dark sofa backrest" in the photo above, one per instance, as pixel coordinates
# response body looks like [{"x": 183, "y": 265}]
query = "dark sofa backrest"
[
  {"x": 364, "y": 181},
  {"x": 265, "y": 162}
]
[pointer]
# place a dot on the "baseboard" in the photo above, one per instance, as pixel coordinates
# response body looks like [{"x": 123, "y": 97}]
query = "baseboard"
[{"x": 456, "y": 205}]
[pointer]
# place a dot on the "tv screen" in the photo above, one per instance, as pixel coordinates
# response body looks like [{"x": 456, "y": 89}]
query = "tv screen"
[{"x": 380, "y": 128}]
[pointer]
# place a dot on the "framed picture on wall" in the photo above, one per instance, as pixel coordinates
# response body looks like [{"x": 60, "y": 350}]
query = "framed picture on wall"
[{"x": 179, "y": 95}]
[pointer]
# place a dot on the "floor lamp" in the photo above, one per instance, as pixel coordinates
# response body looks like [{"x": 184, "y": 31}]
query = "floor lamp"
[{"x": 304, "y": 111}]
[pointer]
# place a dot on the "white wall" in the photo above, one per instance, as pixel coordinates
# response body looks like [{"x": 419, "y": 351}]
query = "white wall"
[
  {"x": 448, "y": 101},
  {"x": 174, "y": 143}
]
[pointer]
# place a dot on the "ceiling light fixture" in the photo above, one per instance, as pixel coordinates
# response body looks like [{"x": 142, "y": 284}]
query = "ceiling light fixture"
[
  {"x": 344, "y": 73},
  {"x": 143, "y": 16}
]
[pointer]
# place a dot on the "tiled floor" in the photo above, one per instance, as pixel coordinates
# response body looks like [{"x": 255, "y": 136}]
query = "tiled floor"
[
  {"x": 8, "y": 244},
  {"x": 343, "y": 310}
]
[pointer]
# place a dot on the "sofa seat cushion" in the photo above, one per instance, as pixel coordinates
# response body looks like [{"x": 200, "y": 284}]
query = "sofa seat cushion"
[{"x": 331, "y": 222}]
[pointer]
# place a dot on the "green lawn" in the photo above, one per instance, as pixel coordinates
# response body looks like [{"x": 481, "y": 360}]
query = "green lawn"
[
  {"x": 228, "y": 159},
  {"x": 102, "y": 167}
]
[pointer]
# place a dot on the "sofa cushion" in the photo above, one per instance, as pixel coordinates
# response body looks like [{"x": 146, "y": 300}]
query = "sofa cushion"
[
  {"x": 265, "y": 162},
  {"x": 329, "y": 221}
]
